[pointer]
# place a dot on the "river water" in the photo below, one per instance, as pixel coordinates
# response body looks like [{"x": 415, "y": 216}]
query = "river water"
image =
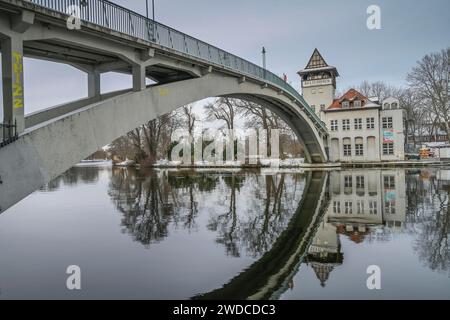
[{"x": 208, "y": 234}]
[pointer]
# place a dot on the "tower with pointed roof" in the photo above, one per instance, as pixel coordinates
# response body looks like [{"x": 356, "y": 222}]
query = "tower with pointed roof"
[{"x": 318, "y": 82}]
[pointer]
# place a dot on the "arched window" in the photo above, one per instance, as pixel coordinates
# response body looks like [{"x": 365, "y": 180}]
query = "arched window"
[
  {"x": 394, "y": 105},
  {"x": 387, "y": 106}
]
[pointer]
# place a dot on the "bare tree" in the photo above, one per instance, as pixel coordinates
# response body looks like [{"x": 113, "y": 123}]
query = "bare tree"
[
  {"x": 223, "y": 109},
  {"x": 187, "y": 117},
  {"x": 430, "y": 80}
]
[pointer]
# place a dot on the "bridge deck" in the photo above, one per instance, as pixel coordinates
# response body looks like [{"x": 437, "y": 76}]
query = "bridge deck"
[{"x": 113, "y": 20}]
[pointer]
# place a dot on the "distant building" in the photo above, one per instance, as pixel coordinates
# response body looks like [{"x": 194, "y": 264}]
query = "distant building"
[{"x": 361, "y": 129}]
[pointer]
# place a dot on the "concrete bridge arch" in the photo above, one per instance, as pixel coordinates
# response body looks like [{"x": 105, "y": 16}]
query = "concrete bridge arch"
[{"x": 52, "y": 140}]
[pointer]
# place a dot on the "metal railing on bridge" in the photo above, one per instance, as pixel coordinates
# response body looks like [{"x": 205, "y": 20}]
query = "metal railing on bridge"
[
  {"x": 8, "y": 133},
  {"x": 117, "y": 18}
]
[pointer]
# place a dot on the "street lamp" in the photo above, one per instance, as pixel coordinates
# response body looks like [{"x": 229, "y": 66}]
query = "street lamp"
[
  {"x": 153, "y": 9},
  {"x": 264, "y": 57},
  {"x": 153, "y": 20}
]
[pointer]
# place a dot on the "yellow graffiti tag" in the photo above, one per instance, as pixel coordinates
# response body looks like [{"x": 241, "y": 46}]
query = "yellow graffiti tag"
[
  {"x": 163, "y": 92},
  {"x": 18, "y": 83}
]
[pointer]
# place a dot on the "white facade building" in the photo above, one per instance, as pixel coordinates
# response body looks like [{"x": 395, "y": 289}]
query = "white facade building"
[{"x": 361, "y": 130}]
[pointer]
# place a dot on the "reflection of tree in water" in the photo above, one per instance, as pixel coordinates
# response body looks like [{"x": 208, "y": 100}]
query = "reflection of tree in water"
[
  {"x": 248, "y": 211},
  {"x": 146, "y": 215},
  {"x": 256, "y": 225},
  {"x": 72, "y": 177},
  {"x": 151, "y": 201},
  {"x": 429, "y": 216}
]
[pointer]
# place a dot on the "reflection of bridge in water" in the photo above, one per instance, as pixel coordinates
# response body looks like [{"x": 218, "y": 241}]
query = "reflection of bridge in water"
[{"x": 270, "y": 275}]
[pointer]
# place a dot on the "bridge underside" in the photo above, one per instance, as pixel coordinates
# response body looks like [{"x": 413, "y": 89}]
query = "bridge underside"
[
  {"x": 54, "y": 139},
  {"x": 56, "y": 142}
]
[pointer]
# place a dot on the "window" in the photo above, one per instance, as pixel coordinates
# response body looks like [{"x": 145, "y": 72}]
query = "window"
[
  {"x": 389, "y": 182},
  {"x": 389, "y": 207},
  {"x": 346, "y": 124},
  {"x": 394, "y": 106},
  {"x": 348, "y": 207},
  {"x": 357, "y": 104},
  {"x": 359, "y": 150},
  {"x": 334, "y": 125},
  {"x": 370, "y": 123},
  {"x": 387, "y": 123},
  {"x": 358, "y": 124},
  {"x": 347, "y": 150},
  {"x": 360, "y": 207},
  {"x": 360, "y": 182},
  {"x": 348, "y": 182},
  {"x": 387, "y": 106},
  {"x": 388, "y": 149},
  {"x": 345, "y": 104},
  {"x": 373, "y": 208},
  {"x": 336, "y": 207},
  {"x": 320, "y": 90}
]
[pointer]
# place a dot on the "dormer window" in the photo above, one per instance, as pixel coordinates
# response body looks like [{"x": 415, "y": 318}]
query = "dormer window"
[
  {"x": 387, "y": 106},
  {"x": 357, "y": 104},
  {"x": 345, "y": 104},
  {"x": 394, "y": 105}
]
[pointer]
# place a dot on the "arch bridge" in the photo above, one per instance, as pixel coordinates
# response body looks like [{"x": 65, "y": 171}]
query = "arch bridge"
[{"x": 37, "y": 147}]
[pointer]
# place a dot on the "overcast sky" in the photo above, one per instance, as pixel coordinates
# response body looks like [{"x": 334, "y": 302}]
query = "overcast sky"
[{"x": 290, "y": 30}]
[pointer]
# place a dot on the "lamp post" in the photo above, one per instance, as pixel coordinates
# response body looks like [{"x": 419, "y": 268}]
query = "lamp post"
[
  {"x": 153, "y": 9},
  {"x": 264, "y": 57},
  {"x": 153, "y": 17}
]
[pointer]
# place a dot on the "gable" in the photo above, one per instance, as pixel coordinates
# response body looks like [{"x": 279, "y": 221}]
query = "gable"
[{"x": 316, "y": 61}]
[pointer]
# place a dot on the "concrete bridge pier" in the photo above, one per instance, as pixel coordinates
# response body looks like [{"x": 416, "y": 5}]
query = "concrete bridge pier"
[
  {"x": 94, "y": 77},
  {"x": 12, "y": 77},
  {"x": 12, "y": 70}
]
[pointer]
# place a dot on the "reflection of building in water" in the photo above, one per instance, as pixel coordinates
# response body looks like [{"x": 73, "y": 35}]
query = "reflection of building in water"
[
  {"x": 324, "y": 254},
  {"x": 364, "y": 204},
  {"x": 364, "y": 200}
]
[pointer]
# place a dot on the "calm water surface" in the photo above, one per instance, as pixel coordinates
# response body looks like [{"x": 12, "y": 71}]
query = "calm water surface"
[{"x": 230, "y": 234}]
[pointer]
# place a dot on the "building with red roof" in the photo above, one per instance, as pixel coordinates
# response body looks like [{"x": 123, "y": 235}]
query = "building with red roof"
[{"x": 361, "y": 129}]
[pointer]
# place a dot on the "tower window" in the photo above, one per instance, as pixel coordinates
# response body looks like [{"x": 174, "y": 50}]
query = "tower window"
[
  {"x": 389, "y": 182},
  {"x": 387, "y": 123},
  {"x": 388, "y": 149}
]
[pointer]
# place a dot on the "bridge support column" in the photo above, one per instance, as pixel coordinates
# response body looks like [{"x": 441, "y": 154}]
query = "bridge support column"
[
  {"x": 94, "y": 84},
  {"x": 139, "y": 77},
  {"x": 13, "y": 88}
]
